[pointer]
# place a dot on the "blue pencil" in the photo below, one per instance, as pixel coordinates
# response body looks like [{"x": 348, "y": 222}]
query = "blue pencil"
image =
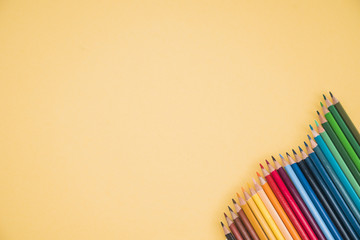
[
  {"x": 331, "y": 186},
  {"x": 324, "y": 215},
  {"x": 326, "y": 198},
  {"x": 335, "y": 166},
  {"x": 306, "y": 198}
]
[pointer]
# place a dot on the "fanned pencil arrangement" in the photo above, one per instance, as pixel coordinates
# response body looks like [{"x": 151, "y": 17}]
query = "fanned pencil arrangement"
[{"x": 313, "y": 194}]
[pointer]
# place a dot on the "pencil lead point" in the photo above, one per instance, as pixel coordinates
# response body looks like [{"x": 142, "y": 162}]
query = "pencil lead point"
[
  {"x": 331, "y": 94},
  {"x": 316, "y": 122},
  {"x": 273, "y": 158},
  {"x": 238, "y": 195},
  {"x": 305, "y": 144},
  {"x": 233, "y": 201},
  {"x": 321, "y": 104},
  {"x": 230, "y": 208},
  {"x": 222, "y": 224},
  {"x": 225, "y": 215},
  {"x": 258, "y": 174},
  {"x": 267, "y": 162},
  {"x": 324, "y": 96},
  {"x": 318, "y": 112},
  {"x": 311, "y": 127},
  {"x": 293, "y": 151},
  {"x": 309, "y": 137},
  {"x": 242, "y": 189},
  {"x": 262, "y": 167},
  {"x": 287, "y": 154},
  {"x": 300, "y": 149},
  {"x": 281, "y": 156}
]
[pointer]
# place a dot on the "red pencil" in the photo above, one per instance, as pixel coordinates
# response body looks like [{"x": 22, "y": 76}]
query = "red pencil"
[
  {"x": 299, "y": 215},
  {"x": 284, "y": 204}
]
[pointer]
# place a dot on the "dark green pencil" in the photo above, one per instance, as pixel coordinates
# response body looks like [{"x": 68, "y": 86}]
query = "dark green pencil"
[
  {"x": 351, "y": 165},
  {"x": 339, "y": 133},
  {"x": 346, "y": 118},
  {"x": 343, "y": 126}
]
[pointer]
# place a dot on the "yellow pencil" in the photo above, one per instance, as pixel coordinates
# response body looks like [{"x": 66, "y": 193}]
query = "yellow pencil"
[
  {"x": 258, "y": 215},
  {"x": 252, "y": 218},
  {"x": 270, "y": 221},
  {"x": 275, "y": 216}
]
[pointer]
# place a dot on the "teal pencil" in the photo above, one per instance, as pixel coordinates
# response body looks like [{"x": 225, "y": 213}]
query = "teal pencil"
[{"x": 335, "y": 166}]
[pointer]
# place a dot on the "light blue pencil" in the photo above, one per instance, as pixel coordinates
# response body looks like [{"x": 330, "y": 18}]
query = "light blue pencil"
[{"x": 306, "y": 198}]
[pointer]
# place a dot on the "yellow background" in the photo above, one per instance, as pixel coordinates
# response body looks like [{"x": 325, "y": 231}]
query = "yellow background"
[{"x": 141, "y": 119}]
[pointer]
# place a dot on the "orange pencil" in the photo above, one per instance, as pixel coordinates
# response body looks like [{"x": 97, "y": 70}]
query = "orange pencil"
[{"x": 278, "y": 208}]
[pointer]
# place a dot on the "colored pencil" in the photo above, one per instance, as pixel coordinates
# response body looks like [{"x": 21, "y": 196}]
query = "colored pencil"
[
  {"x": 323, "y": 217},
  {"x": 258, "y": 215},
  {"x": 338, "y": 158},
  {"x": 228, "y": 234},
  {"x": 274, "y": 215},
  {"x": 334, "y": 184},
  {"x": 245, "y": 221},
  {"x": 266, "y": 214},
  {"x": 346, "y": 118},
  {"x": 279, "y": 209},
  {"x": 345, "y": 156},
  {"x": 299, "y": 201},
  {"x": 279, "y": 193},
  {"x": 233, "y": 228},
  {"x": 344, "y": 128},
  {"x": 330, "y": 118},
  {"x": 336, "y": 168},
  {"x": 240, "y": 226},
  {"x": 249, "y": 214},
  {"x": 324, "y": 195}
]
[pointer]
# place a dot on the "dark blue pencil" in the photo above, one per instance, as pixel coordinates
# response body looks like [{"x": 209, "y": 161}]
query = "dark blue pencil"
[
  {"x": 334, "y": 231},
  {"x": 324, "y": 195},
  {"x": 332, "y": 188}
]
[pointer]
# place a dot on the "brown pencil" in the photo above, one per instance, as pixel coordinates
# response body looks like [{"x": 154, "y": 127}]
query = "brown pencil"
[
  {"x": 239, "y": 225},
  {"x": 228, "y": 234},
  {"x": 250, "y": 229},
  {"x": 233, "y": 228}
]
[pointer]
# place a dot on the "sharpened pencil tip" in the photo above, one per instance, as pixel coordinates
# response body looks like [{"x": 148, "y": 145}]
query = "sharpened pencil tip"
[
  {"x": 262, "y": 167},
  {"x": 300, "y": 149},
  {"x": 281, "y": 156},
  {"x": 242, "y": 189},
  {"x": 309, "y": 137},
  {"x": 222, "y": 224},
  {"x": 311, "y": 127},
  {"x": 321, "y": 104},
  {"x": 230, "y": 208},
  {"x": 293, "y": 151},
  {"x": 233, "y": 201},
  {"x": 258, "y": 174},
  {"x": 318, "y": 112},
  {"x": 225, "y": 215},
  {"x": 238, "y": 195},
  {"x": 305, "y": 144},
  {"x": 331, "y": 95},
  {"x": 273, "y": 158},
  {"x": 316, "y": 122},
  {"x": 287, "y": 154},
  {"x": 267, "y": 162},
  {"x": 324, "y": 96}
]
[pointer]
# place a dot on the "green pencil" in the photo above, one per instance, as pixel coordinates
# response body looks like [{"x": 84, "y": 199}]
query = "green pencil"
[
  {"x": 345, "y": 156},
  {"x": 341, "y": 136},
  {"x": 343, "y": 126},
  {"x": 338, "y": 158},
  {"x": 346, "y": 118}
]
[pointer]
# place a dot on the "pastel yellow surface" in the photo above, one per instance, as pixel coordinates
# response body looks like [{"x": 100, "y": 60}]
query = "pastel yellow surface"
[{"x": 141, "y": 119}]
